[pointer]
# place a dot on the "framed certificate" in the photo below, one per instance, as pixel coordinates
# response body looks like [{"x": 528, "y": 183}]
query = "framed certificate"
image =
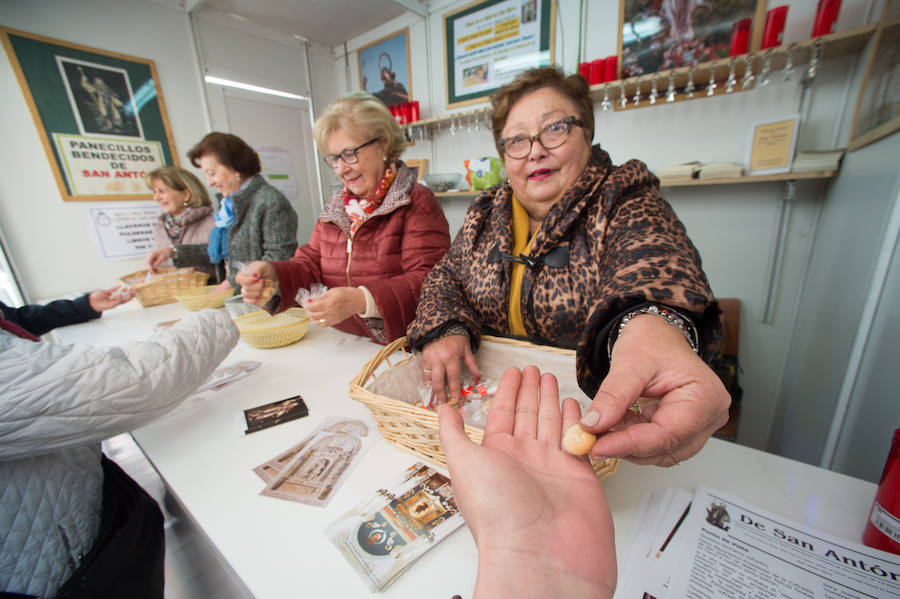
[{"x": 772, "y": 146}]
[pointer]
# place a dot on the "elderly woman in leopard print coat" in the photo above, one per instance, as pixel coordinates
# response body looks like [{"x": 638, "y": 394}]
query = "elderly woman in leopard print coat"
[{"x": 576, "y": 252}]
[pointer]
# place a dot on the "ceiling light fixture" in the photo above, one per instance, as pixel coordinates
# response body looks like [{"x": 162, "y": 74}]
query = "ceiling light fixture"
[{"x": 252, "y": 88}]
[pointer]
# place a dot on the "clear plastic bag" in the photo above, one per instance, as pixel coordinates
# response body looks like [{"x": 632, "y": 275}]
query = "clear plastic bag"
[{"x": 304, "y": 295}]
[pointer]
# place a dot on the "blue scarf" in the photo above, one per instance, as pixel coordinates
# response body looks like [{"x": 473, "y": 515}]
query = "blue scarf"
[{"x": 218, "y": 237}]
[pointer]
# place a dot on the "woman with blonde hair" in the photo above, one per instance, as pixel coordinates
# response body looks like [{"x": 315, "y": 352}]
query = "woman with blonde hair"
[
  {"x": 376, "y": 238},
  {"x": 187, "y": 214}
]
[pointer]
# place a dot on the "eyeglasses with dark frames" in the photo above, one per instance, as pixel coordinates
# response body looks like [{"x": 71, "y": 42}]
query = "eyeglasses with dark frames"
[
  {"x": 552, "y": 136},
  {"x": 348, "y": 155}
]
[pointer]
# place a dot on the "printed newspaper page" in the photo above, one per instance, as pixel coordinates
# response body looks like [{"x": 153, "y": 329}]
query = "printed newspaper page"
[{"x": 731, "y": 549}]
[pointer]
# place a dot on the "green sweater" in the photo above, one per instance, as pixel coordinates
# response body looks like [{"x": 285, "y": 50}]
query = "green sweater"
[{"x": 265, "y": 228}]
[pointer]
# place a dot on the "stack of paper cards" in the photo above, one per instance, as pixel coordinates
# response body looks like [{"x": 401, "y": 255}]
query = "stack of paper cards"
[
  {"x": 645, "y": 571},
  {"x": 313, "y": 469},
  {"x": 227, "y": 374},
  {"x": 384, "y": 534}
]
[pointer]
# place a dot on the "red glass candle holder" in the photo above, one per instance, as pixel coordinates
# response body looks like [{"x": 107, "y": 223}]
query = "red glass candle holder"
[
  {"x": 827, "y": 12},
  {"x": 610, "y": 68},
  {"x": 774, "y": 30},
  {"x": 584, "y": 69},
  {"x": 740, "y": 37},
  {"x": 596, "y": 72},
  {"x": 414, "y": 111},
  {"x": 883, "y": 527}
]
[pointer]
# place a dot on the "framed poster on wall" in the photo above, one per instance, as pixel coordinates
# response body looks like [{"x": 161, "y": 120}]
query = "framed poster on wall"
[
  {"x": 489, "y": 42},
  {"x": 657, "y": 35},
  {"x": 384, "y": 68},
  {"x": 100, "y": 115}
]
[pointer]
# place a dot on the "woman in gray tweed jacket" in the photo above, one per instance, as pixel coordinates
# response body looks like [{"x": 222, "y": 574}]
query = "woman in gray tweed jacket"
[{"x": 254, "y": 221}]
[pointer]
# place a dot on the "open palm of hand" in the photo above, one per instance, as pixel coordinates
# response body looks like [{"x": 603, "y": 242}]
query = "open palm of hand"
[{"x": 519, "y": 492}]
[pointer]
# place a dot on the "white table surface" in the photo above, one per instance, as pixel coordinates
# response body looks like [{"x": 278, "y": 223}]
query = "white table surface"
[{"x": 276, "y": 546}]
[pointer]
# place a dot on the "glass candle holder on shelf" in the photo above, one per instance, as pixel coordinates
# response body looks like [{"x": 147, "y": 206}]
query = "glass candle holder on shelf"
[
  {"x": 773, "y": 32},
  {"x": 883, "y": 526},
  {"x": 740, "y": 37}
]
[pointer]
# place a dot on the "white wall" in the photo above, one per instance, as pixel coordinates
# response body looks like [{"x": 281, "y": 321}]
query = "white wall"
[
  {"x": 734, "y": 227},
  {"x": 48, "y": 238},
  {"x": 850, "y": 236}
]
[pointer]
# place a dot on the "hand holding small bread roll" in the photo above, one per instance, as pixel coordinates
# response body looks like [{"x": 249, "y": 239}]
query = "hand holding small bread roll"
[
  {"x": 519, "y": 489},
  {"x": 257, "y": 281},
  {"x": 578, "y": 441}
]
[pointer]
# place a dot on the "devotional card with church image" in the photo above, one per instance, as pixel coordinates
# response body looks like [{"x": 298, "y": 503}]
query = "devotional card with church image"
[
  {"x": 384, "y": 534},
  {"x": 319, "y": 468}
]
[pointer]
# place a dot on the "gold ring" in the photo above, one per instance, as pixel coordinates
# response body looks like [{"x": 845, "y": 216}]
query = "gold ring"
[{"x": 322, "y": 321}]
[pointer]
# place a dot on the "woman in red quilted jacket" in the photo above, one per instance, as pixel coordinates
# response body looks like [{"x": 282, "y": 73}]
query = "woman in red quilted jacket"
[{"x": 376, "y": 238}]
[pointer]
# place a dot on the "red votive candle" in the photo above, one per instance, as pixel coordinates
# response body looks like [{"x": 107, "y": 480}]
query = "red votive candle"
[
  {"x": 596, "y": 72},
  {"x": 774, "y": 29},
  {"x": 883, "y": 528},
  {"x": 610, "y": 68},
  {"x": 584, "y": 69},
  {"x": 414, "y": 111},
  {"x": 826, "y": 16},
  {"x": 740, "y": 37}
]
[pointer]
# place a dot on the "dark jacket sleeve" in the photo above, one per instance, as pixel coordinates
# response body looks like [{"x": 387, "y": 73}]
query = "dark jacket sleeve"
[
  {"x": 647, "y": 257},
  {"x": 38, "y": 319}
]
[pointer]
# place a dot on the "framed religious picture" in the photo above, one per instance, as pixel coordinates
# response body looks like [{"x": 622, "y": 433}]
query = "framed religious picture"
[
  {"x": 877, "y": 111},
  {"x": 657, "y": 35},
  {"x": 100, "y": 115},
  {"x": 384, "y": 68},
  {"x": 489, "y": 42}
]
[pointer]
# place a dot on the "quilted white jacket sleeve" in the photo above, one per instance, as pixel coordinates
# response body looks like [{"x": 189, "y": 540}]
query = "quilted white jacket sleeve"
[{"x": 54, "y": 396}]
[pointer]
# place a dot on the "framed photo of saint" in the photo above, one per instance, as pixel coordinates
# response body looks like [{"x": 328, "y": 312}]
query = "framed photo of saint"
[{"x": 384, "y": 69}]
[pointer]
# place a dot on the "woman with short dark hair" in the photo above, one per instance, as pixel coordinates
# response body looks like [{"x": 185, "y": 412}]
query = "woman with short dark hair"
[
  {"x": 254, "y": 220},
  {"x": 576, "y": 252}
]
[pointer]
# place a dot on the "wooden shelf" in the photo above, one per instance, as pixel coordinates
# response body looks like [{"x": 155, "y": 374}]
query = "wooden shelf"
[
  {"x": 833, "y": 45},
  {"x": 457, "y": 194},
  {"x": 686, "y": 182}
]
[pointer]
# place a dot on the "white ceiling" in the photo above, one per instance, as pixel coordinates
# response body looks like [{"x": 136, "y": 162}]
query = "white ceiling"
[{"x": 327, "y": 22}]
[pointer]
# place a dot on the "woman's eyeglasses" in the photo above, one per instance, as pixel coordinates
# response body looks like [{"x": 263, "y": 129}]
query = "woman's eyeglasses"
[
  {"x": 349, "y": 155},
  {"x": 551, "y": 136}
]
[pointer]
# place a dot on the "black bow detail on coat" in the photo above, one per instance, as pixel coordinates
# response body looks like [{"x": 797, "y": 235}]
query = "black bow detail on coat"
[{"x": 555, "y": 258}]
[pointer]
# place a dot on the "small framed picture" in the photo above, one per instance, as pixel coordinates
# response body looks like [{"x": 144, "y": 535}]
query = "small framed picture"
[
  {"x": 384, "y": 68},
  {"x": 772, "y": 146}
]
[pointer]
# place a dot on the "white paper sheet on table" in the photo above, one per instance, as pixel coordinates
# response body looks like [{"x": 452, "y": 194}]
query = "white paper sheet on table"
[{"x": 727, "y": 548}]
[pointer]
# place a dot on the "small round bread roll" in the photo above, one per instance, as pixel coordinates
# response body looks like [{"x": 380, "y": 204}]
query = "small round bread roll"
[{"x": 578, "y": 441}]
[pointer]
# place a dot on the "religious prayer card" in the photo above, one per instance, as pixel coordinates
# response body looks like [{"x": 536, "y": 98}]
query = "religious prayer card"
[
  {"x": 270, "y": 414},
  {"x": 320, "y": 463},
  {"x": 382, "y": 536}
]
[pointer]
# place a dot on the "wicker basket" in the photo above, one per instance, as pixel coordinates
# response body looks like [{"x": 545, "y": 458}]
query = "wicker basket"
[
  {"x": 200, "y": 298},
  {"x": 161, "y": 288},
  {"x": 387, "y": 386},
  {"x": 262, "y": 330}
]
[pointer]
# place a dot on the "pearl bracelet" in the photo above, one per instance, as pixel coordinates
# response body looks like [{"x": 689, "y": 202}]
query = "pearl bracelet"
[{"x": 675, "y": 319}]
